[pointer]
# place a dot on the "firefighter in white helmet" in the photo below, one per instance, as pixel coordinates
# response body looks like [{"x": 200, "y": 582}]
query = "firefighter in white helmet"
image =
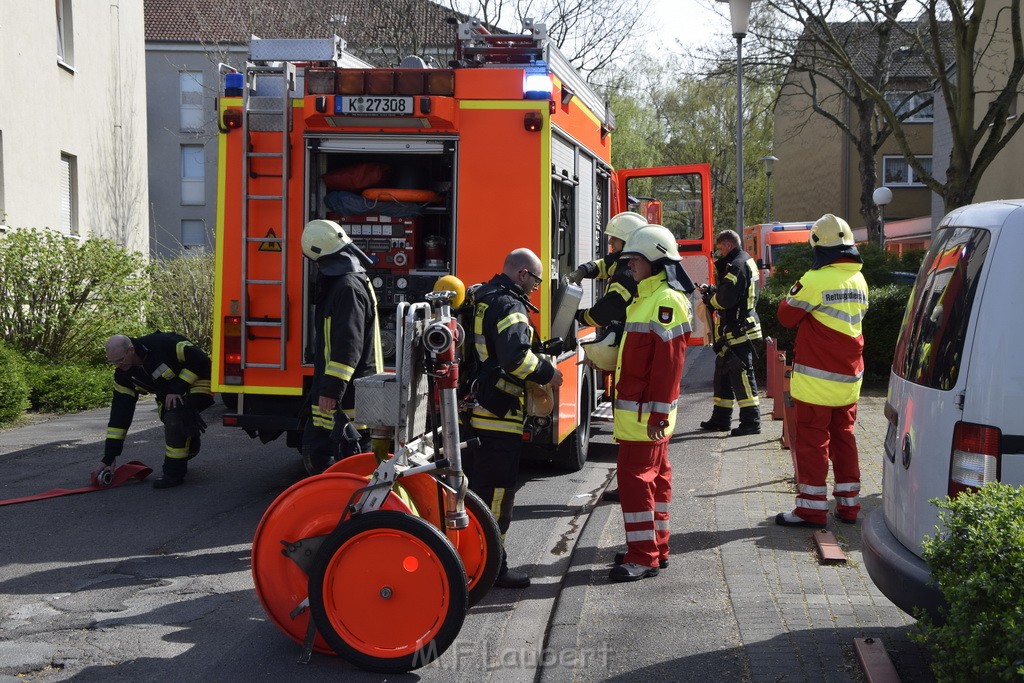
[
  {"x": 648, "y": 375},
  {"x": 621, "y": 287},
  {"x": 826, "y": 306},
  {"x": 346, "y": 344}
]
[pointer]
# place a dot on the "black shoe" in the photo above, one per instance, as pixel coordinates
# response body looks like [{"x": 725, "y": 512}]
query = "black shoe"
[
  {"x": 168, "y": 482},
  {"x": 611, "y": 495},
  {"x": 712, "y": 426},
  {"x": 844, "y": 520},
  {"x": 621, "y": 557},
  {"x": 512, "y": 578},
  {"x": 790, "y": 519},
  {"x": 745, "y": 429},
  {"x": 631, "y": 572}
]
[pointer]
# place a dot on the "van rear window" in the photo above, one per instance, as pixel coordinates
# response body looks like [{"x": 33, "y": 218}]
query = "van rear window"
[{"x": 931, "y": 343}]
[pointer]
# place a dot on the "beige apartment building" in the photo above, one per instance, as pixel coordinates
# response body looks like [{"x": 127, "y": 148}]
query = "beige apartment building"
[{"x": 73, "y": 119}]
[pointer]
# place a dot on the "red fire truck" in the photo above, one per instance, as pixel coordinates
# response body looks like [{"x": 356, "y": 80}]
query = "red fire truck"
[{"x": 431, "y": 171}]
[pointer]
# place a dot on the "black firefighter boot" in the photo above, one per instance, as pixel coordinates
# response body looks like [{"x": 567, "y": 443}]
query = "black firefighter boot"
[
  {"x": 720, "y": 420},
  {"x": 174, "y": 474},
  {"x": 750, "y": 422},
  {"x": 510, "y": 578}
]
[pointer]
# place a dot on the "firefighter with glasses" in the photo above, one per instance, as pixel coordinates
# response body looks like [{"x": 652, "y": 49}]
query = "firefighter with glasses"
[
  {"x": 177, "y": 372},
  {"x": 503, "y": 341},
  {"x": 827, "y": 306},
  {"x": 648, "y": 376},
  {"x": 734, "y": 302},
  {"x": 346, "y": 342}
]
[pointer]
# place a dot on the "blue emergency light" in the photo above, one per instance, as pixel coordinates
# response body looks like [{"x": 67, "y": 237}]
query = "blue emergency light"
[
  {"x": 234, "y": 83},
  {"x": 537, "y": 81}
]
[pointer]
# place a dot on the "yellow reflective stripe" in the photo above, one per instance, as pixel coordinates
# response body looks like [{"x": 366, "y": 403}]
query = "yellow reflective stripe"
[
  {"x": 527, "y": 367},
  {"x": 176, "y": 453},
  {"x": 179, "y": 350},
  {"x": 115, "y": 433},
  {"x": 320, "y": 418},
  {"x": 378, "y": 347},
  {"x": 731, "y": 277},
  {"x": 189, "y": 376},
  {"x": 340, "y": 370},
  {"x": 120, "y": 388},
  {"x": 496, "y": 501},
  {"x": 511, "y": 320},
  {"x": 327, "y": 337},
  {"x": 201, "y": 386},
  {"x": 617, "y": 288},
  {"x": 480, "y": 340}
]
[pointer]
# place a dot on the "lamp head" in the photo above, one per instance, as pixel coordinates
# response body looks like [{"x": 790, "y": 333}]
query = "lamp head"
[{"x": 739, "y": 14}]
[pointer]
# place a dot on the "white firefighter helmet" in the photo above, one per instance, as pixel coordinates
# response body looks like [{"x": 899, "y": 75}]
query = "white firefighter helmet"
[
  {"x": 322, "y": 238},
  {"x": 451, "y": 283},
  {"x": 831, "y": 231},
  {"x": 622, "y": 225},
  {"x": 603, "y": 352},
  {"x": 654, "y": 242}
]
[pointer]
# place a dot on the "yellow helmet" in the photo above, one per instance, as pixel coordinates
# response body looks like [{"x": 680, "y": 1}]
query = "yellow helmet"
[
  {"x": 831, "y": 231},
  {"x": 623, "y": 224},
  {"x": 603, "y": 352},
  {"x": 322, "y": 238},
  {"x": 451, "y": 283}
]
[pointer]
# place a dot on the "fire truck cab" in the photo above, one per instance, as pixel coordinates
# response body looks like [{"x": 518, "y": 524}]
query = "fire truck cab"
[{"x": 431, "y": 172}]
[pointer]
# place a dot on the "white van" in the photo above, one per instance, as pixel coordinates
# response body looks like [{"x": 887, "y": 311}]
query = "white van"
[{"x": 956, "y": 392}]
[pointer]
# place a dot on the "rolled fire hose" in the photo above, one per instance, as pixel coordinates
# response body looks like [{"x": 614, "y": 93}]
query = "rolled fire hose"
[{"x": 123, "y": 474}]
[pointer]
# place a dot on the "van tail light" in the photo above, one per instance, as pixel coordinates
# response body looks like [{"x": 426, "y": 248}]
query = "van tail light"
[
  {"x": 976, "y": 456},
  {"x": 232, "y": 349}
]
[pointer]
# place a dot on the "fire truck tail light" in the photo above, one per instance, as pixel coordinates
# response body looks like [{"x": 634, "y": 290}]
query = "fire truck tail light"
[
  {"x": 441, "y": 83},
  {"x": 232, "y": 118},
  {"x": 380, "y": 83},
  {"x": 408, "y": 82},
  {"x": 232, "y": 349},
  {"x": 320, "y": 81},
  {"x": 351, "y": 82},
  {"x": 976, "y": 456},
  {"x": 533, "y": 121},
  {"x": 229, "y": 421}
]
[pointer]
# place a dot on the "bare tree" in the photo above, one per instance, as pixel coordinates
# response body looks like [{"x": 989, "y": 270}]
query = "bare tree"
[
  {"x": 865, "y": 60},
  {"x": 592, "y": 34}
]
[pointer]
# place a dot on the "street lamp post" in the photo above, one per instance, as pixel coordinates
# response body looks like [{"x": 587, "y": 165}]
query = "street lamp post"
[
  {"x": 769, "y": 166},
  {"x": 881, "y": 196},
  {"x": 739, "y": 14}
]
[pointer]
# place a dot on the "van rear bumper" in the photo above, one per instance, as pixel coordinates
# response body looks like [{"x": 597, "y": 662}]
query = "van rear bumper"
[{"x": 902, "y": 576}]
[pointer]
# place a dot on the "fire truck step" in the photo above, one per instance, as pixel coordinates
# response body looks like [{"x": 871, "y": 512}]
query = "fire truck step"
[
  {"x": 262, "y": 323},
  {"x": 263, "y": 282},
  {"x": 266, "y": 155},
  {"x": 602, "y": 413},
  {"x": 275, "y": 197}
]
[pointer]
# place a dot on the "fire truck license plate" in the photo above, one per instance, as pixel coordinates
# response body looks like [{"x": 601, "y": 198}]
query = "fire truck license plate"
[{"x": 374, "y": 104}]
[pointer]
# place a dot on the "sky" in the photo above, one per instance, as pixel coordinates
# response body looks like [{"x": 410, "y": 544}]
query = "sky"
[{"x": 688, "y": 21}]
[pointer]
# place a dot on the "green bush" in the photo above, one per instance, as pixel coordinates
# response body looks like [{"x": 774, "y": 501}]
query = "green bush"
[
  {"x": 182, "y": 298},
  {"x": 13, "y": 387},
  {"x": 62, "y": 298},
  {"x": 67, "y": 388},
  {"x": 978, "y": 564}
]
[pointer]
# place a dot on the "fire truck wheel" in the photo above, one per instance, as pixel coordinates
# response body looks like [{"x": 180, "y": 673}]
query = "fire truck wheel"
[
  {"x": 311, "y": 507},
  {"x": 572, "y": 453},
  {"x": 387, "y": 591},
  {"x": 479, "y": 547}
]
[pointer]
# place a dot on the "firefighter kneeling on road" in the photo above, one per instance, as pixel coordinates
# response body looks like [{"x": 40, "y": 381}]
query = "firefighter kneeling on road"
[
  {"x": 346, "y": 343},
  {"x": 648, "y": 375},
  {"x": 178, "y": 373}
]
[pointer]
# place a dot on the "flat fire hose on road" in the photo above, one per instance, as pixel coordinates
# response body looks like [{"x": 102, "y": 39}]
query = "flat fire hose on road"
[{"x": 122, "y": 475}]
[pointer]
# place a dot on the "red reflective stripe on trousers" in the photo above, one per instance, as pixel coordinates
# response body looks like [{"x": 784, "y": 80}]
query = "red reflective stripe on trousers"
[
  {"x": 824, "y": 433},
  {"x": 644, "y": 476}
]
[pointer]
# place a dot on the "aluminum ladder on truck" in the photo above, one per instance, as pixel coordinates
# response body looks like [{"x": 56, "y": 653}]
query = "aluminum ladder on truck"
[{"x": 271, "y": 78}]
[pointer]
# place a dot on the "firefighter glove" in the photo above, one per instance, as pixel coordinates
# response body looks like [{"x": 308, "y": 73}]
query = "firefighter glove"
[{"x": 576, "y": 276}]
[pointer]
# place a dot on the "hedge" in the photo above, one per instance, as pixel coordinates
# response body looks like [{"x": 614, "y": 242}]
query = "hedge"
[
  {"x": 67, "y": 388},
  {"x": 978, "y": 563},
  {"x": 14, "y": 388}
]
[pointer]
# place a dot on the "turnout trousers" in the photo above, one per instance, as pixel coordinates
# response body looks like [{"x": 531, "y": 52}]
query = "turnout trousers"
[
  {"x": 823, "y": 434},
  {"x": 734, "y": 381},
  {"x": 644, "y": 475},
  {"x": 182, "y": 432}
]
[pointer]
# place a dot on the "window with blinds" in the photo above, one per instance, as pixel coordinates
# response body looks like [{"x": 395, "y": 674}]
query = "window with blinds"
[
  {"x": 193, "y": 174},
  {"x": 190, "y": 88},
  {"x": 67, "y": 212}
]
